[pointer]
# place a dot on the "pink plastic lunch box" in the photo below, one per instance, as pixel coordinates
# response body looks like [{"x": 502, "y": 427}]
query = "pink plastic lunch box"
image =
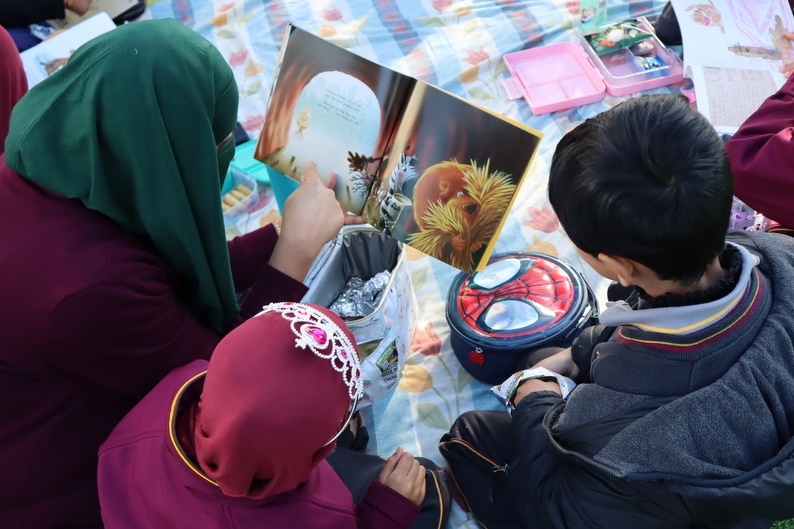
[{"x": 569, "y": 74}]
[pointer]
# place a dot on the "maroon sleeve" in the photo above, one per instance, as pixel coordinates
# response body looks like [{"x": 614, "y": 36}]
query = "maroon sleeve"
[
  {"x": 383, "y": 508},
  {"x": 249, "y": 255},
  {"x": 140, "y": 330},
  {"x": 138, "y": 333},
  {"x": 13, "y": 81},
  {"x": 762, "y": 157}
]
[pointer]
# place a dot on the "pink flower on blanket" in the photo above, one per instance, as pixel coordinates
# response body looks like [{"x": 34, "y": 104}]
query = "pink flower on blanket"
[
  {"x": 426, "y": 341},
  {"x": 332, "y": 15},
  {"x": 542, "y": 219},
  {"x": 237, "y": 58},
  {"x": 442, "y": 5},
  {"x": 476, "y": 56},
  {"x": 253, "y": 122},
  {"x": 574, "y": 7}
]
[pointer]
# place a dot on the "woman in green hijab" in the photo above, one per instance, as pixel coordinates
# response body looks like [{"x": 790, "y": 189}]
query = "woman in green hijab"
[{"x": 115, "y": 267}]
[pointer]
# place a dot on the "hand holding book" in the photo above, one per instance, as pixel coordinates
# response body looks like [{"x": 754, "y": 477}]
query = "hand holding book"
[
  {"x": 788, "y": 67},
  {"x": 302, "y": 236},
  {"x": 78, "y": 6}
]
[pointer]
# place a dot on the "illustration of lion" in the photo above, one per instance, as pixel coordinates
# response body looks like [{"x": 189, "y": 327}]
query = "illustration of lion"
[{"x": 458, "y": 208}]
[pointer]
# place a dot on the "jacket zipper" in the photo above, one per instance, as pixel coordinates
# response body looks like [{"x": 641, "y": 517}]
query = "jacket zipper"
[{"x": 576, "y": 455}]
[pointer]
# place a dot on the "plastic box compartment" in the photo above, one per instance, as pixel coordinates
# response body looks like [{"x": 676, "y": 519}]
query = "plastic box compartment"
[
  {"x": 569, "y": 74},
  {"x": 235, "y": 212}
]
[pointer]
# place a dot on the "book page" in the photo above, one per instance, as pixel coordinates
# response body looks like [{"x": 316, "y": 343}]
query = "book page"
[
  {"x": 452, "y": 173},
  {"x": 736, "y": 33},
  {"x": 734, "y": 49},
  {"x": 46, "y": 58},
  {"x": 732, "y": 94},
  {"x": 332, "y": 107}
]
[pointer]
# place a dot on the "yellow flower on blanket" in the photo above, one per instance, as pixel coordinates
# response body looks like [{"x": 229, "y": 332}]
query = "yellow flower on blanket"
[
  {"x": 326, "y": 31},
  {"x": 541, "y": 246},
  {"x": 220, "y": 20},
  {"x": 469, "y": 75},
  {"x": 253, "y": 68},
  {"x": 463, "y": 10},
  {"x": 416, "y": 379}
]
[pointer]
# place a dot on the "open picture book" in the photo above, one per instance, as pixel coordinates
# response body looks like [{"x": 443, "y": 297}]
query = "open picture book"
[
  {"x": 418, "y": 163},
  {"x": 733, "y": 51}
]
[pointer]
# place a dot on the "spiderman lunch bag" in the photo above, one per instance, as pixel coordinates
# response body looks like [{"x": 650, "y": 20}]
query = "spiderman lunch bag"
[{"x": 519, "y": 302}]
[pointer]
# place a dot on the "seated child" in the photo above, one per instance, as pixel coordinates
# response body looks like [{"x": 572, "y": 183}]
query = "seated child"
[
  {"x": 762, "y": 160},
  {"x": 684, "y": 412},
  {"x": 241, "y": 441}
]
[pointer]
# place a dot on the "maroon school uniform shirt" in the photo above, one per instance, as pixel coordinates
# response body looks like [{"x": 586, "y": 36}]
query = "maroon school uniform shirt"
[
  {"x": 92, "y": 319},
  {"x": 13, "y": 83},
  {"x": 762, "y": 157},
  {"x": 147, "y": 482}
]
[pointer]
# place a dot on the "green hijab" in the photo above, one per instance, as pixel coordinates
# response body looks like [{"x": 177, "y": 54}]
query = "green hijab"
[{"x": 130, "y": 126}]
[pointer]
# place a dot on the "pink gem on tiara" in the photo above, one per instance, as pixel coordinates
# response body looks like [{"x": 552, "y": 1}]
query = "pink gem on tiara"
[
  {"x": 315, "y": 331},
  {"x": 319, "y": 336}
]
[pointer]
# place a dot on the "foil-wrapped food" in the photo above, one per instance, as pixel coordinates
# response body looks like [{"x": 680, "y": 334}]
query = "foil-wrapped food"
[{"x": 359, "y": 298}]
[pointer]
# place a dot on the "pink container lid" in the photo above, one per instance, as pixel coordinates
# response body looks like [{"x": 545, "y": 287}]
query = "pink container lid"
[{"x": 553, "y": 77}]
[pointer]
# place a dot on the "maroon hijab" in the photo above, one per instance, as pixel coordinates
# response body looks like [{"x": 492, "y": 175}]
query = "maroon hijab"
[
  {"x": 13, "y": 83},
  {"x": 278, "y": 388}
]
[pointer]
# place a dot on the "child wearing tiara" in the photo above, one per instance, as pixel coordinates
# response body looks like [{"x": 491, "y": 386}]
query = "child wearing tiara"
[{"x": 241, "y": 441}]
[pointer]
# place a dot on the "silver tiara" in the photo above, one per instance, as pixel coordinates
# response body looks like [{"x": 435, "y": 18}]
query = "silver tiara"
[{"x": 318, "y": 333}]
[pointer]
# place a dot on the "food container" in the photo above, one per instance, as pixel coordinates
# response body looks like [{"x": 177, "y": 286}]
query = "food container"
[
  {"x": 569, "y": 74},
  {"x": 384, "y": 337},
  {"x": 519, "y": 302},
  {"x": 244, "y": 163},
  {"x": 236, "y": 205}
]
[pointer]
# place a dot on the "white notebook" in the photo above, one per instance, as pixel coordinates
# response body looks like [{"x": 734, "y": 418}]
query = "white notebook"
[
  {"x": 46, "y": 58},
  {"x": 733, "y": 50}
]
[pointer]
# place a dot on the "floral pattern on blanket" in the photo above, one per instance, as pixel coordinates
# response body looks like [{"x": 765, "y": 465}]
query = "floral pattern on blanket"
[{"x": 457, "y": 45}]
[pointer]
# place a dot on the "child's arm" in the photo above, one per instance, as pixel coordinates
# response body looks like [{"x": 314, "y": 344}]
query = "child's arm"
[
  {"x": 384, "y": 508},
  {"x": 249, "y": 256},
  {"x": 583, "y": 348},
  {"x": 762, "y": 159},
  {"x": 538, "y": 468},
  {"x": 574, "y": 362},
  {"x": 392, "y": 501}
]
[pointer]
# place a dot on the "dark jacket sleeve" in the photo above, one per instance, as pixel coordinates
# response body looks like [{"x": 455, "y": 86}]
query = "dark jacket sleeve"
[
  {"x": 583, "y": 349},
  {"x": 383, "y": 508},
  {"x": 762, "y": 157},
  {"x": 249, "y": 255},
  {"x": 535, "y": 478},
  {"x": 16, "y": 13},
  {"x": 557, "y": 490}
]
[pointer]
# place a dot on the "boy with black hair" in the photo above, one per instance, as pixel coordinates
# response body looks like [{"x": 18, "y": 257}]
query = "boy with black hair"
[{"x": 684, "y": 413}]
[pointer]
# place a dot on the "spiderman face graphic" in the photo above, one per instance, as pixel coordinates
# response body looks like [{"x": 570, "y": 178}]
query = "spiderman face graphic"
[{"x": 519, "y": 295}]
